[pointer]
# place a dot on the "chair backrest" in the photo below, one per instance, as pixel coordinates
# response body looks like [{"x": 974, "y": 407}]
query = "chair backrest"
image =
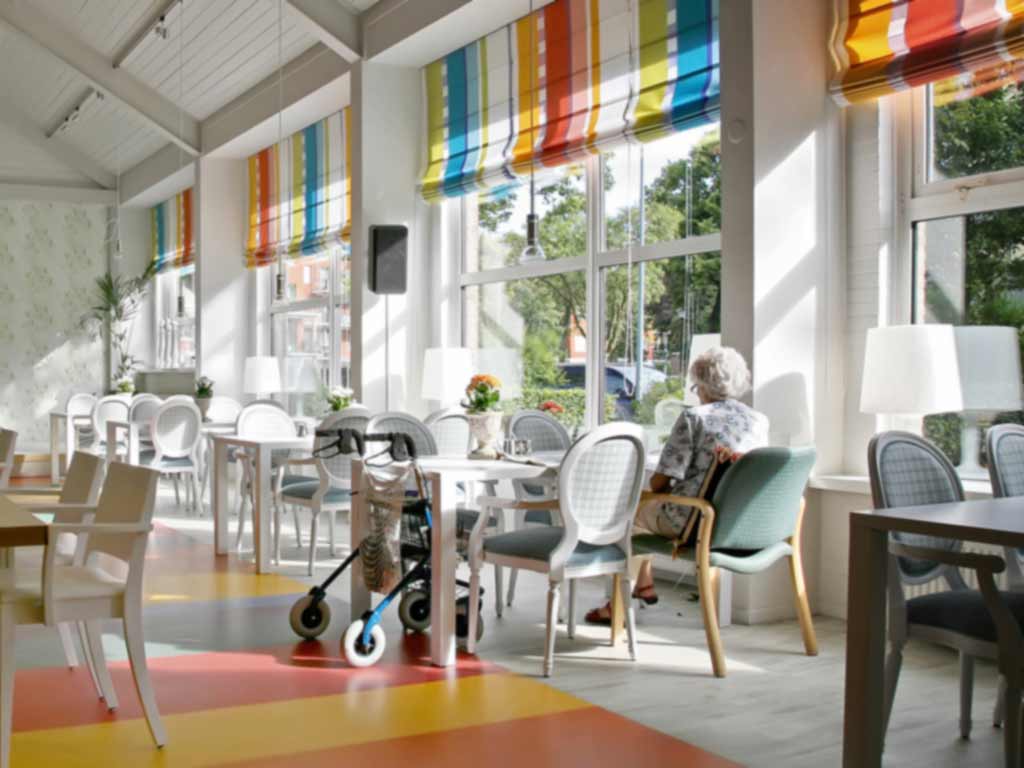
[
  {"x": 80, "y": 404},
  {"x": 265, "y": 418},
  {"x": 176, "y": 429},
  {"x": 758, "y": 499},
  {"x": 8, "y": 441},
  {"x": 337, "y": 469},
  {"x": 84, "y": 479},
  {"x": 599, "y": 486},
  {"x": 143, "y": 408},
  {"x": 667, "y": 411},
  {"x": 406, "y": 424},
  {"x": 223, "y": 408},
  {"x": 543, "y": 430},
  {"x": 908, "y": 471},
  {"x": 128, "y": 496},
  {"x": 1005, "y": 444},
  {"x": 107, "y": 408},
  {"x": 450, "y": 428}
]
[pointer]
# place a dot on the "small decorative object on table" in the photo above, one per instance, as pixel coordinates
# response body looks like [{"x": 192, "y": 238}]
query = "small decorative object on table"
[
  {"x": 204, "y": 393},
  {"x": 482, "y": 397},
  {"x": 339, "y": 398},
  {"x": 125, "y": 386}
]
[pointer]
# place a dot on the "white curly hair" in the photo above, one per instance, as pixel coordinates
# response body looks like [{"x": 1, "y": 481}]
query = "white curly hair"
[{"x": 721, "y": 372}]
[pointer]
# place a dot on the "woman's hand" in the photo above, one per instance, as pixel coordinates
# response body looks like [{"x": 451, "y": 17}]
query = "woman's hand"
[{"x": 660, "y": 483}]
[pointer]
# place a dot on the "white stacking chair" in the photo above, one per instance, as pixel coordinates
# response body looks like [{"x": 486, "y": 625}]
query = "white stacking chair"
[
  {"x": 331, "y": 490},
  {"x": 107, "y": 585},
  {"x": 599, "y": 488},
  {"x": 141, "y": 411},
  {"x": 107, "y": 408},
  {"x": 450, "y": 428},
  {"x": 175, "y": 432},
  {"x": 79, "y": 410},
  {"x": 8, "y": 442}
]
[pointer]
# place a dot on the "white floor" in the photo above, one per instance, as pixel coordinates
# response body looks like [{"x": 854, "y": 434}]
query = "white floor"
[{"x": 777, "y": 707}]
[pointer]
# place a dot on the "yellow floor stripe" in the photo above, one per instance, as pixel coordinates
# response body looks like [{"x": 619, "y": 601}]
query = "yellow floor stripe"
[
  {"x": 237, "y": 734},
  {"x": 170, "y": 587}
]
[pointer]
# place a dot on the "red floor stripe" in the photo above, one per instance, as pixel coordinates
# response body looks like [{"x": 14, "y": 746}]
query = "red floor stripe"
[
  {"x": 581, "y": 738},
  {"x": 224, "y": 679}
]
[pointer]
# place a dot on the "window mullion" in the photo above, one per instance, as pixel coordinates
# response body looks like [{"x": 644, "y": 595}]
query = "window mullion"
[{"x": 595, "y": 298}]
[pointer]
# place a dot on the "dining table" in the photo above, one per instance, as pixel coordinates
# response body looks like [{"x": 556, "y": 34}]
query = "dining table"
[{"x": 997, "y": 522}]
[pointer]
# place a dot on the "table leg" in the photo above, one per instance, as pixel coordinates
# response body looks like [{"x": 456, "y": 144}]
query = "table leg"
[
  {"x": 54, "y": 449},
  {"x": 865, "y": 646},
  {"x": 261, "y": 510},
  {"x": 442, "y": 568},
  {"x": 111, "y": 443},
  {"x": 70, "y": 442},
  {"x": 359, "y": 595},
  {"x": 220, "y": 498}
]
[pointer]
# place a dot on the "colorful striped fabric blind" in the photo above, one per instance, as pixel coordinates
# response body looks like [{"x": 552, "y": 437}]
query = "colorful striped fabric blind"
[
  {"x": 174, "y": 242},
  {"x": 300, "y": 192},
  {"x": 572, "y": 78},
  {"x": 966, "y": 47}
]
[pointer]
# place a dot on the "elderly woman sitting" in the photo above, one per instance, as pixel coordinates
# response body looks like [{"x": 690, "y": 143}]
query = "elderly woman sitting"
[{"x": 720, "y": 422}]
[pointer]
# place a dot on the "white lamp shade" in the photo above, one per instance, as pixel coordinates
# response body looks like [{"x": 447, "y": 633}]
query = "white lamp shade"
[
  {"x": 990, "y": 375},
  {"x": 446, "y": 372},
  {"x": 699, "y": 344},
  {"x": 262, "y": 375},
  {"x": 911, "y": 370}
]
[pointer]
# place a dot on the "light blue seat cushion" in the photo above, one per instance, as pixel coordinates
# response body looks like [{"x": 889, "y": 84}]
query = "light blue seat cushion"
[
  {"x": 291, "y": 479},
  {"x": 148, "y": 459},
  {"x": 307, "y": 489},
  {"x": 738, "y": 562},
  {"x": 538, "y": 516},
  {"x": 539, "y": 543}
]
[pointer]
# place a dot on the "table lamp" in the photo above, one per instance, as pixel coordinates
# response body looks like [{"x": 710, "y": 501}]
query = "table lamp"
[
  {"x": 911, "y": 370},
  {"x": 990, "y": 379},
  {"x": 446, "y": 372},
  {"x": 262, "y": 375}
]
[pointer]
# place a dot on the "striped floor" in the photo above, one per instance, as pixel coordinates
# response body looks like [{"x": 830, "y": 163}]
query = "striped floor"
[{"x": 235, "y": 689}]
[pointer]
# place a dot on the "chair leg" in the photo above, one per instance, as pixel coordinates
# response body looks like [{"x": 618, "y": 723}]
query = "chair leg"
[
  {"x": 241, "y": 521},
  {"x": 197, "y": 495},
  {"x": 68, "y": 643},
  {"x": 277, "y": 534},
  {"x": 83, "y": 639},
  {"x": 1011, "y": 727},
  {"x": 140, "y": 672},
  {"x": 332, "y": 524},
  {"x": 803, "y": 608},
  {"x": 570, "y": 624},
  {"x": 626, "y": 593},
  {"x": 893, "y": 664},
  {"x": 999, "y": 710},
  {"x": 177, "y": 491},
  {"x": 966, "y": 693},
  {"x": 499, "y": 589},
  {"x": 554, "y": 588},
  {"x": 7, "y": 669},
  {"x": 298, "y": 529},
  {"x": 99, "y": 659},
  {"x": 474, "y": 606},
  {"x": 706, "y": 587},
  {"x": 513, "y": 575},
  {"x": 312, "y": 538}
]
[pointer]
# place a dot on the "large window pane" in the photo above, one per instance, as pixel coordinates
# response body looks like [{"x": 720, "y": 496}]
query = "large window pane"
[
  {"x": 495, "y": 231},
  {"x": 304, "y": 340},
  {"x": 658, "y": 314},
  {"x": 532, "y": 335},
  {"x": 176, "y": 318},
  {"x": 308, "y": 278},
  {"x": 969, "y": 270},
  {"x": 680, "y": 179},
  {"x": 977, "y": 135}
]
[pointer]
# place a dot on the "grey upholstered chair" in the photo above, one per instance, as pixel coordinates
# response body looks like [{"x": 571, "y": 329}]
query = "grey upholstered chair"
[
  {"x": 753, "y": 520},
  {"x": 599, "y": 488},
  {"x": 1005, "y": 450},
  {"x": 450, "y": 428},
  {"x": 906, "y": 470}
]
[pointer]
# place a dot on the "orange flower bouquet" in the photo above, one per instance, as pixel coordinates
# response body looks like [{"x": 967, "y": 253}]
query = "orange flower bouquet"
[
  {"x": 482, "y": 397},
  {"x": 482, "y": 394}
]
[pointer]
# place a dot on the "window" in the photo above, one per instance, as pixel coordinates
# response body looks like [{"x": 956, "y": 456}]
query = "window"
[
  {"x": 968, "y": 248},
  {"x": 311, "y": 330},
  {"x": 660, "y": 223},
  {"x": 175, "y": 303}
]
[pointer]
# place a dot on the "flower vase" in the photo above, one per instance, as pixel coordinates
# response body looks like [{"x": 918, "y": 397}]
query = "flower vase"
[
  {"x": 203, "y": 403},
  {"x": 485, "y": 428}
]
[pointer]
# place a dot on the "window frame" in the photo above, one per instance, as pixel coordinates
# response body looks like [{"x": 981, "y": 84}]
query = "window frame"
[
  {"x": 592, "y": 264},
  {"x": 165, "y": 307}
]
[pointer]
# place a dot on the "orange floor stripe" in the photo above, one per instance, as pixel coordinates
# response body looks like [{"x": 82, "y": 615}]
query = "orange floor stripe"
[
  {"x": 207, "y": 681},
  {"x": 580, "y": 738}
]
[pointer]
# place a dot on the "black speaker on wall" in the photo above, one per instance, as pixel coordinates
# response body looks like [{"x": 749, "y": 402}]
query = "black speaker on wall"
[{"x": 389, "y": 246}]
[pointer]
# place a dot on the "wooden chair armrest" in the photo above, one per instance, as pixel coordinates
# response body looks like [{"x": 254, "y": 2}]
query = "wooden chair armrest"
[
  {"x": 972, "y": 560},
  {"x": 648, "y": 497},
  {"x": 42, "y": 490},
  {"x": 112, "y": 528},
  {"x": 81, "y": 508},
  {"x": 496, "y": 502}
]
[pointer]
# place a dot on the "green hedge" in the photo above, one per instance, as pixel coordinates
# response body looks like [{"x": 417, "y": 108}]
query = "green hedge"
[{"x": 574, "y": 401}]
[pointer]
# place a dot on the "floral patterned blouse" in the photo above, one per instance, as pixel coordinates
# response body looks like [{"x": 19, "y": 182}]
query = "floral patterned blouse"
[{"x": 690, "y": 448}]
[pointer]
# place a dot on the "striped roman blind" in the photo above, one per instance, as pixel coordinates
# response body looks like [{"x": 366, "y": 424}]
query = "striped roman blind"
[
  {"x": 572, "y": 78},
  {"x": 174, "y": 244},
  {"x": 965, "y": 47},
  {"x": 300, "y": 192}
]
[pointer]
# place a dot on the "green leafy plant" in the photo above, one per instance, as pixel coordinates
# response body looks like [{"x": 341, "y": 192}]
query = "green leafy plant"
[
  {"x": 116, "y": 302},
  {"x": 482, "y": 394},
  {"x": 339, "y": 398},
  {"x": 204, "y": 387},
  {"x": 125, "y": 386}
]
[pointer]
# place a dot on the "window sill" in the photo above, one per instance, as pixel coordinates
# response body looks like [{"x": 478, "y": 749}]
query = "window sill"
[{"x": 861, "y": 485}]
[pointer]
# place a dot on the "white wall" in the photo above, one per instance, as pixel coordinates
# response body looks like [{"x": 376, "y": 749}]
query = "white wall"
[
  {"x": 224, "y": 316},
  {"x": 389, "y": 333}
]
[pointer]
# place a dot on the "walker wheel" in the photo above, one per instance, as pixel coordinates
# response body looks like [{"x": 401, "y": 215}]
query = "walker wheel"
[
  {"x": 414, "y": 611},
  {"x": 310, "y": 618},
  {"x": 356, "y": 652},
  {"x": 462, "y": 620}
]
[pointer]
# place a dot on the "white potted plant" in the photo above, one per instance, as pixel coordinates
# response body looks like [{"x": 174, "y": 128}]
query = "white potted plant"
[
  {"x": 483, "y": 394},
  {"x": 339, "y": 398},
  {"x": 204, "y": 394}
]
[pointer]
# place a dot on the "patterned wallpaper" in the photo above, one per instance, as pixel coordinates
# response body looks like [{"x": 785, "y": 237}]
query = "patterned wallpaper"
[{"x": 50, "y": 253}]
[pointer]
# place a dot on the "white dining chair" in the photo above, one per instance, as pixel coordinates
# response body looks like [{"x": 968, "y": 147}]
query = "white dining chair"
[
  {"x": 175, "y": 432},
  {"x": 450, "y": 428},
  {"x": 79, "y": 407},
  {"x": 107, "y": 585},
  {"x": 107, "y": 408},
  {"x": 8, "y": 442},
  {"x": 599, "y": 488}
]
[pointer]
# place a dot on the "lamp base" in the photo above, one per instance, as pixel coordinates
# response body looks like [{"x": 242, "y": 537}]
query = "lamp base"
[{"x": 970, "y": 449}]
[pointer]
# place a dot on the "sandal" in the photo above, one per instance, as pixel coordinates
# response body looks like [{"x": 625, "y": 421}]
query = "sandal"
[
  {"x": 600, "y": 616},
  {"x": 647, "y": 595}
]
